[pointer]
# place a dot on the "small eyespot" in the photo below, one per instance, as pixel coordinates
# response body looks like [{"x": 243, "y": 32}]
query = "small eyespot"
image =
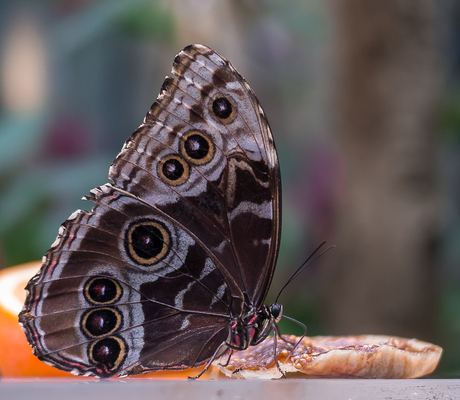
[
  {"x": 196, "y": 147},
  {"x": 100, "y": 322},
  {"x": 102, "y": 290},
  {"x": 223, "y": 108},
  {"x": 147, "y": 242},
  {"x": 108, "y": 353},
  {"x": 174, "y": 170}
]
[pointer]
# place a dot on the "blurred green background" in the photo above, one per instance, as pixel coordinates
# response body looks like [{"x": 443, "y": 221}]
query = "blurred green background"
[{"x": 364, "y": 102}]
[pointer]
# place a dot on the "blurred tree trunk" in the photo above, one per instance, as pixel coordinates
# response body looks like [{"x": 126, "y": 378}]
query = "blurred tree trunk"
[
  {"x": 381, "y": 280},
  {"x": 225, "y": 17}
]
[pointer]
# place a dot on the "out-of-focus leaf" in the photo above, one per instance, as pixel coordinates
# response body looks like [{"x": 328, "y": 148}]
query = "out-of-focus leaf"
[
  {"x": 69, "y": 181},
  {"x": 449, "y": 116},
  {"x": 33, "y": 207},
  {"x": 81, "y": 28},
  {"x": 450, "y": 327},
  {"x": 148, "y": 21},
  {"x": 19, "y": 135},
  {"x": 19, "y": 241}
]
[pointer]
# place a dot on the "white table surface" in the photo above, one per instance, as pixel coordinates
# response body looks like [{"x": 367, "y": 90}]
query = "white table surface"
[{"x": 221, "y": 389}]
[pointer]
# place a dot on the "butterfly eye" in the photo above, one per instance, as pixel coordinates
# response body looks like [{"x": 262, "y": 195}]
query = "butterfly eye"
[
  {"x": 102, "y": 290},
  {"x": 276, "y": 311},
  {"x": 100, "y": 321},
  {"x": 147, "y": 242},
  {"x": 174, "y": 170},
  {"x": 109, "y": 352},
  {"x": 223, "y": 108},
  {"x": 197, "y": 148}
]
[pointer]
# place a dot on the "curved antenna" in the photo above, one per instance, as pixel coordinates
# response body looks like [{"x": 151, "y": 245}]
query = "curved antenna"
[{"x": 305, "y": 264}]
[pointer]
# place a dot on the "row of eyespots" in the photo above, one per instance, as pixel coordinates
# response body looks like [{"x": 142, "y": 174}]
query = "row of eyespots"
[
  {"x": 147, "y": 242},
  {"x": 102, "y": 322},
  {"x": 195, "y": 147}
]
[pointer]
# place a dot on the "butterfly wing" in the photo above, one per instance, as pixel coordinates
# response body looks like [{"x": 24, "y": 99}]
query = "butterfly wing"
[
  {"x": 115, "y": 288},
  {"x": 186, "y": 235}
]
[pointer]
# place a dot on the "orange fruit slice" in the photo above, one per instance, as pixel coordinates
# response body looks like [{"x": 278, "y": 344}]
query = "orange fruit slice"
[{"x": 16, "y": 358}]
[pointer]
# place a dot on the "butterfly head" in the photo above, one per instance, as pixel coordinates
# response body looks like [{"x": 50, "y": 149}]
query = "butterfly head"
[{"x": 276, "y": 311}]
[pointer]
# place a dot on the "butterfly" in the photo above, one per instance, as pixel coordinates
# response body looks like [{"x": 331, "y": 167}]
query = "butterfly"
[{"x": 171, "y": 267}]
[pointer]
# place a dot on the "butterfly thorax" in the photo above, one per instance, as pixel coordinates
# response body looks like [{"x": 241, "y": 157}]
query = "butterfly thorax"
[{"x": 253, "y": 326}]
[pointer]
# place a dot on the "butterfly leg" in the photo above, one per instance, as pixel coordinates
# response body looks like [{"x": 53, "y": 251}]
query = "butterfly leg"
[
  {"x": 228, "y": 359},
  {"x": 275, "y": 341},
  {"x": 304, "y": 333},
  {"x": 280, "y": 335},
  {"x": 208, "y": 364}
]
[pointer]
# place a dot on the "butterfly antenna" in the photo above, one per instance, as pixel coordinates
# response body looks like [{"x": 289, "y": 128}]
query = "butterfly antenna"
[{"x": 310, "y": 260}]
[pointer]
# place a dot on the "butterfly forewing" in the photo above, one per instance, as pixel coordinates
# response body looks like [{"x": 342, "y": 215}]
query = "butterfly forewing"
[{"x": 182, "y": 243}]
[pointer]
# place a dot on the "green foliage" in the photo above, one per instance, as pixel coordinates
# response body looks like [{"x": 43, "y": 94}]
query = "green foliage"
[
  {"x": 449, "y": 330},
  {"x": 449, "y": 115},
  {"x": 148, "y": 21},
  {"x": 19, "y": 241}
]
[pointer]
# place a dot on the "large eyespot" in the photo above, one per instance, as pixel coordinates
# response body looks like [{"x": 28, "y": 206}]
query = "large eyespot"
[
  {"x": 110, "y": 352},
  {"x": 223, "y": 108},
  {"x": 102, "y": 290},
  {"x": 196, "y": 147},
  {"x": 173, "y": 170},
  {"x": 100, "y": 322},
  {"x": 147, "y": 242}
]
